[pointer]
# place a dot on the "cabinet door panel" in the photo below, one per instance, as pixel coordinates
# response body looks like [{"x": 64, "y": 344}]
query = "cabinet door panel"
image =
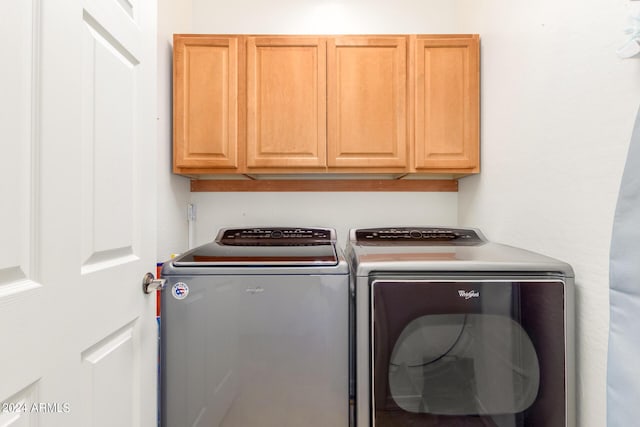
[
  {"x": 286, "y": 97},
  {"x": 367, "y": 108},
  {"x": 447, "y": 85},
  {"x": 206, "y": 96}
]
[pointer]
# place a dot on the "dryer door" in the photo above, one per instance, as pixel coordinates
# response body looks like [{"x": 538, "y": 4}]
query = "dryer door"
[{"x": 485, "y": 353}]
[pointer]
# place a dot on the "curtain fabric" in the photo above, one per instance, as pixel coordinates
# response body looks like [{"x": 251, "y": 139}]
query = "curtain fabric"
[{"x": 623, "y": 370}]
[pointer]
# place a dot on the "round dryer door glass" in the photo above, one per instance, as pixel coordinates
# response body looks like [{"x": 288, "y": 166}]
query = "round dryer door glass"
[{"x": 464, "y": 364}]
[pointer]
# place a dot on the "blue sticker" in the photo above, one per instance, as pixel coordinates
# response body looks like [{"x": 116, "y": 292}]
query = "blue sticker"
[{"x": 180, "y": 290}]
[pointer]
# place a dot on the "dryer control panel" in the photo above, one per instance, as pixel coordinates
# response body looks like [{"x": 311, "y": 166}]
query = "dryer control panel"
[{"x": 419, "y": 236}]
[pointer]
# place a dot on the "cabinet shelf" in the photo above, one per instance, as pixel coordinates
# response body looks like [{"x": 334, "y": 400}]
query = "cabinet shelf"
[{"x": 326, "y": 185}]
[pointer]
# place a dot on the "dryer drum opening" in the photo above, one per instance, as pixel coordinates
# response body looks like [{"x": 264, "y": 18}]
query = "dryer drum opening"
[{"x": 464, "y": 364}]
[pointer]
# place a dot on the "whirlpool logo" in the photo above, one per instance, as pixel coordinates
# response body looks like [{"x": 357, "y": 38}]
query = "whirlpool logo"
[{"x": 468, "y": 294}]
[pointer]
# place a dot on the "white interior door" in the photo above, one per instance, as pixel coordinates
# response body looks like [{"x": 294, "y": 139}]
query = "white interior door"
[{"x": 77, "y": 224}]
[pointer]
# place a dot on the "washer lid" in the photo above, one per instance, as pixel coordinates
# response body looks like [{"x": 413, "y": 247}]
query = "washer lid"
[{"x": 260, "y": 247}]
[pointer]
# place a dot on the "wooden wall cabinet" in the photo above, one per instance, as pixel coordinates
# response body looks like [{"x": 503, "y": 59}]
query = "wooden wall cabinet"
[
  {"x": 447, "y": 104},
  {"x": 286, "y": 102},
  {"x": 326, "y": 104},
  {"x": 368, "y": 103},
  {"x": 336, "y": 104},
  {"x": 206, "y": 77}
]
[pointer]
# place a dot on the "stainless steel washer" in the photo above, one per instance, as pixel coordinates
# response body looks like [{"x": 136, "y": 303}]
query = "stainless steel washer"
[
  {"x": 255, "y": 331},
  {"x": 454, "y": 330}
]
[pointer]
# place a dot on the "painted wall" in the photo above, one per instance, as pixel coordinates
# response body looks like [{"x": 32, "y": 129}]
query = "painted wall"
[
  {"x": 323, "y": 16},
  {"x": 339, "y": 210},
  {"x": 557, "y": 113},
  {"x": 557, "y": 110},
  {"x": 174, "y": 16}
]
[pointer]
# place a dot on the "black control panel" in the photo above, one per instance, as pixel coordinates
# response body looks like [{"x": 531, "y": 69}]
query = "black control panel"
[
  {"x": 278, "y": 236},
  {"x": 419, "y": 236}
]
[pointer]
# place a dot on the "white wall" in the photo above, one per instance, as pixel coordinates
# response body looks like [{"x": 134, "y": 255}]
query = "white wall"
[
  {"x": 174, "y": 16},
  {"x": 557, "y": 113},
  {"x": 323, "y": 16},
  {"x": 339, "y": 210}
]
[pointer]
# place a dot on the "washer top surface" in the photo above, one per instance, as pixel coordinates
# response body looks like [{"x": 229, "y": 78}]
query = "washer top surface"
[
  {"x": 264, "y": 247},
  {"x": 440, "y": 249}
]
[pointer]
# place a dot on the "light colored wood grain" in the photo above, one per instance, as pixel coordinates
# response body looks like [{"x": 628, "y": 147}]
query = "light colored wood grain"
[
  {"x": 431, "y": 185},
  {"x": 367, "y": 102},
  {"x": 286, "y": 101},
  {"x": 205, "y": 102},
  {"x": 447, "y": 103},
  {"x": 326, "y": 104}
]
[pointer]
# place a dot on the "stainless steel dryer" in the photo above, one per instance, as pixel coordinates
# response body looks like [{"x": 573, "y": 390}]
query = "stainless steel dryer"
[
  {"x": 255, "y": 331},
  {"x": 454, "y": 330}
]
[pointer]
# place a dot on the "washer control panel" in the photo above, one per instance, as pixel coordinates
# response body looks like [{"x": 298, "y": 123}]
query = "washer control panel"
[
  {"x": 419, "y": 236},
  {"x": 276, "y": 236}
]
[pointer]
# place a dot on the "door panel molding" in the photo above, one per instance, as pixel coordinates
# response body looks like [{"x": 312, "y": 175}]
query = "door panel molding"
[
  {"x": 109, "y": 208},
  {"x": 110, "y": 377},
  {"x": 20, "y": 413},
  {"x": 21, "y": 294}
]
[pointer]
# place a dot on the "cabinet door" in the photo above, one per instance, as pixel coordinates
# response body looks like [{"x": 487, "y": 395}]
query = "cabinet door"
[
  {"x": 205, "y": 102},
  {"x": 367, "y": 109},
  {"x": 447, "y": 104},
  {"x": 286, "y": 101}
]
